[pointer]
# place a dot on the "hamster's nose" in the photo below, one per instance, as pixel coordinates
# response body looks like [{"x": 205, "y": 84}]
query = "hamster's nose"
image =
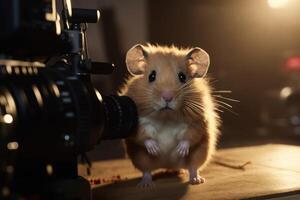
[{"x": 167, "y": 96}]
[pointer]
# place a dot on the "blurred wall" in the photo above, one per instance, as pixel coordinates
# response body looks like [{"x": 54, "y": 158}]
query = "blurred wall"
[{"x": 246, "y": 39}]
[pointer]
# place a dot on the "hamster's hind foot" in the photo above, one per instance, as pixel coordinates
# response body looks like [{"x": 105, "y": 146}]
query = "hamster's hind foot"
[
  {"x": 146, "y": 181},
  {"x": 195, "y": 178}
]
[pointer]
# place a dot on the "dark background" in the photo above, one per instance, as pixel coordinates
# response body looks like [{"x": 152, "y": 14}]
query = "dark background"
[{"x": 248, "y": 41}]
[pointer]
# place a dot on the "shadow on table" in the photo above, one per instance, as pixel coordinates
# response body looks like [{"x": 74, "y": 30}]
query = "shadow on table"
[{"x": 165, "y": 189}]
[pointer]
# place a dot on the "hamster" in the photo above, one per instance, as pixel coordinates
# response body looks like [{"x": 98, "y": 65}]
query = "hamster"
[{"x": 178, "y": 120}]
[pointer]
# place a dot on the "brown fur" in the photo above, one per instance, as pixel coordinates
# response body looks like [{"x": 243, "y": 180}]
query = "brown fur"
[{"x": 194, "y": 106}]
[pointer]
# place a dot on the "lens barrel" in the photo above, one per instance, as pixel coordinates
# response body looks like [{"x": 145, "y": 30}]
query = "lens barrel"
[
  {"x": 120, "y": 117},
  {"x": 47, "y": 112}
]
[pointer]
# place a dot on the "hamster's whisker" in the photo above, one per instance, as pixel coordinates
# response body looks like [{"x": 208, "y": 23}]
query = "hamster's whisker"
[
  {"x": 188, "y": 109},
  {"x": 191, "y": 91},
  {"x": 146, "y": 89},
  {"x": 148, "y": 113},
  {"x": 228, "y": 109},
  {"x": 195, "y": 106},
  {"x": 181, "y": 89},
  {"x": 222, "y": 102},
  {"x": 192, "y": 111},
  {"x": 219, "y": 110},
  {"x": 143, "y": 99},
  {"x": 226, "y": 98},
  {"x": 187, "y": 84},
  {"x": 145, "y": 95},
  {"x": 191, "y": 97},
  {"x": 147, "y": 109},
  {"x": 222, "y": 91},
  {"x": 213, "y": 81}
]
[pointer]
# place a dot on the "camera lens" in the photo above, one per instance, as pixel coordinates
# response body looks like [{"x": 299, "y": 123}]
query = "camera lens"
[
  {"x": 120, "y": 117},
  {"x": 50, "y": 113}
]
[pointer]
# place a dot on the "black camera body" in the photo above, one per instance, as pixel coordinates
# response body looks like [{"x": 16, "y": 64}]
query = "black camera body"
[{"x": 49, "y": 110}]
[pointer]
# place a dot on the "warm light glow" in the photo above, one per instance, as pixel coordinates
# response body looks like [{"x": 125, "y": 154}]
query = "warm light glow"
[
  {"x": 12, "y": 145},
  {"x": 8, "y": 119},
  {"x": 98, "y": 95},
  {"x": 98, "y": 14},
  {"x": 277, "y": 3},
  {"x": 292, "y": 63},
  {"x": 10, "y": 169},
  {"x": 5, "y": 191},
  {"x": 49, "y": 169},
  {"x": 285, "y": 92}
]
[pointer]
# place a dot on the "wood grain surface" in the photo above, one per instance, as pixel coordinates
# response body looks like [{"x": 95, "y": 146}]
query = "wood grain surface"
[{"x": 258, "y": 172}]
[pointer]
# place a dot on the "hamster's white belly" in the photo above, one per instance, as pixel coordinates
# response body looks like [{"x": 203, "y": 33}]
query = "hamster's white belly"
[{"x": 167, "y": 134}]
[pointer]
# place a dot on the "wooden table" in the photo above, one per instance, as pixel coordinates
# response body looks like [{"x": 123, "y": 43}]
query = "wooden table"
[{"x": 274, "y": 173}]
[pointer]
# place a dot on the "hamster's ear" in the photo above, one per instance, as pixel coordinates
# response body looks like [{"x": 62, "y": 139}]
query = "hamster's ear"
[
  {"x": 136, "y": 60},
  {"x": 198, "y": 62}
]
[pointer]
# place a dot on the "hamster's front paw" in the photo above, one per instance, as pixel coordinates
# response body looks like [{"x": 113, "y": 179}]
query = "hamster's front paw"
[
  {"x": 183, "y": 148},
  {"x": 152, "y": 147}
]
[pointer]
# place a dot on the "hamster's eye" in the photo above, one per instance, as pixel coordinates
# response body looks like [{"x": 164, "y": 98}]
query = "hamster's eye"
[
  {"x": 182, "y": 77},
  {"x": 152, "y": 76}
]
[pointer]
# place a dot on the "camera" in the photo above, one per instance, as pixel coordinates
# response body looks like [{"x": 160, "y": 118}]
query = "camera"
[{"x": 50, "y": 112}]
